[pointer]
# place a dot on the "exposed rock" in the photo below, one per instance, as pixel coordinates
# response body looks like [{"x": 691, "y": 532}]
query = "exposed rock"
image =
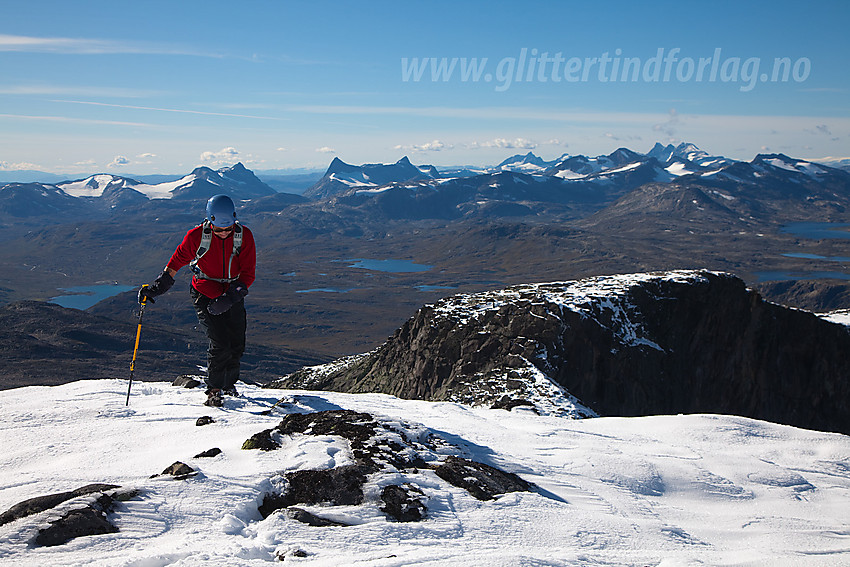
[
  {"x": 401, "y": 504},
  {"x": 309, "y": 518},
  {"x": 378, "y": 448},
  {"x": 87, "y": 521},
  {"x": 180, "y": 471},
  {"x": 292, "y": 552},
  {"x": 42, "y": 503},
  {"x": 508, "y": 403},
  {"x": 204, "y": 420},
  {"x": 482, "y": 481},
  {"x": 340, "y": 486},
  {"x": 374, "y": 446},
  {"x": 262, "y": 440},
  {"x": 639, "y": 344},
  {"x": 187, "y": 381},
  {"x": 215, "y": 451}
]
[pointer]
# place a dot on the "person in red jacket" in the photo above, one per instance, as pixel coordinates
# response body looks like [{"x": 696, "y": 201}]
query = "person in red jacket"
[{"x": 222, "y": 255}]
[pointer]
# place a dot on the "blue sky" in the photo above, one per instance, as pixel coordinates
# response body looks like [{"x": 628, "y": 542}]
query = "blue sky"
[{"x": 162, "y": 87}]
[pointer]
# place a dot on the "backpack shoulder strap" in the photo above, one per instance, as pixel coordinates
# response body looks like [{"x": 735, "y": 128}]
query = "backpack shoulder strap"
[
  {"x": 237, "y": 238},
  {"x": 206, "y": 240}
]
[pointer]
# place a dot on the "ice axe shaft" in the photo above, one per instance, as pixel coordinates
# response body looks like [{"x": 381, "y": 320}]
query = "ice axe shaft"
[{"x": 136, "y": 348}]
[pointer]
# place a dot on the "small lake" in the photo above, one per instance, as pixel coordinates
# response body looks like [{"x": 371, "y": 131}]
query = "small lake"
[
  {"x": 779, "y": 276},
  {"x": 817, "y": 257},
  {"x": 817, "y": 230},
  {"x": 83, "y": 297},
  {"x": 324, "y": 290},
  {"x": 390, "y": 266}
]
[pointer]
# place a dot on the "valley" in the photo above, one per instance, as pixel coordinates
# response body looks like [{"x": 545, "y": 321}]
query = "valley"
[{"x": 477, "y": 231}]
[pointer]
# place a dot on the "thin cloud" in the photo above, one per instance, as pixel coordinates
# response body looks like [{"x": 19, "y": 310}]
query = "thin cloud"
[
  {"x": 54, "y": 90},
  {"x": 90, "y": 46},
  {"x": 74, "y": 120},
  {"x": 156, "y": 109},
  {"x": 119, "y": 161},
  {"x": 326, "y": 150}
]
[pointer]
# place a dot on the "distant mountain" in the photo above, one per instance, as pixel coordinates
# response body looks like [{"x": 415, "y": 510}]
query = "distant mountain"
[
  {"x": 202, "y": 183},
  {"x": 687, "y": 154},
  {"x": 236, "y": 181},
  {"x": 30, "y": 200},
  {"x": 770, "y": 190},
  {"x": 528, "y": 163},
  {"x": 341, "y": 177}
]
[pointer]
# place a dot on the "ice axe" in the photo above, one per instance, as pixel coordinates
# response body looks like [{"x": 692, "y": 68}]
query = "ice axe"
[{"x": 136, "y": 348}]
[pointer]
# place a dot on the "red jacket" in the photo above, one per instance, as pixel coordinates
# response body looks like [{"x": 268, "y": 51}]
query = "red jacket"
[{"x": 214, "y": 262}]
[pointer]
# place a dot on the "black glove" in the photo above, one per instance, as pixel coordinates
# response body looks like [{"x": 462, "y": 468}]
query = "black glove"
[
  {"x": 220, "y": 304},
  {"x": 234, "y": 294},
  {"x": 159, "y": 286},
  {"x": 237, "y": 291}
]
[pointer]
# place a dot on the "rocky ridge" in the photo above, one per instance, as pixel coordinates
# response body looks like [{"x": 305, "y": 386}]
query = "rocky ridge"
[{"x": 628, "y": 345}]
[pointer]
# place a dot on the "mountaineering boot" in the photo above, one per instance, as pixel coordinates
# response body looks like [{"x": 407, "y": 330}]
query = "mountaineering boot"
[
  {"x": 231, "y": 391},
  {"x": 213, "y": 398}
]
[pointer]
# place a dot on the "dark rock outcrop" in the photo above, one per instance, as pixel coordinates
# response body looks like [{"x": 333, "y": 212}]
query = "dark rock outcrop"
[
  {"x": 180, "y": 471},
  {"x": 42, "y": 503},
  {"x": 378, "y": 448},
  {"x": 187, "y": 381},
  {"x": 88, "y": 521},
  {"x": 209, "y": 453},
  {"x": 86, "y": 517},
  {"x": 403, "y": 503},
  {"x": 640, "y": 344},
  {"x": 482, "y": 481},
  {"x": 309, "y": 518}
]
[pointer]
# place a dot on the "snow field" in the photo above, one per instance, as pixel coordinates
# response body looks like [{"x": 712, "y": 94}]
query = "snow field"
[{"x": 660, "y": 490}]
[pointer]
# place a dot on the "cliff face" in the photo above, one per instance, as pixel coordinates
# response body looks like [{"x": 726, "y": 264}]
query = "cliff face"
[{"x": 640, "y": 344}]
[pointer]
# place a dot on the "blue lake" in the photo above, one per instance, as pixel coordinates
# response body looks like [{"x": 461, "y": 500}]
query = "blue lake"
[
  {"x": 391, "y": 266},
  {"x": 83, "y": 297},
  {"x": 324, "y": 290},
  {"x": 816, "y": 257},
  {"x": 817, "y": 230},
  {"x": 779, "y": 276},
  {"x": 434, "y": 287}
]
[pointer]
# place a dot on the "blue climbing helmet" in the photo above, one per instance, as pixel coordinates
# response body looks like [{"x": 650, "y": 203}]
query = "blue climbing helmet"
[{"x": 221, "y": 212}]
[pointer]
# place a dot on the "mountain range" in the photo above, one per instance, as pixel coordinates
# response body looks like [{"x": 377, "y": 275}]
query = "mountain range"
[
  {"x": 675, "y": 207},
  {"x": 524, "y": 185}
]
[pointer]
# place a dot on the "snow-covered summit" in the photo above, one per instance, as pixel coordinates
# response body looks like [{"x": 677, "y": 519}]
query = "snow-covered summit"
[
  {"x": 96, "y": 185},
  {"x": 663, "y": 490}
]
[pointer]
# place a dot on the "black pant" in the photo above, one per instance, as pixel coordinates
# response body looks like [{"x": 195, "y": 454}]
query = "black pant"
[{"x": 226, "y": 333}]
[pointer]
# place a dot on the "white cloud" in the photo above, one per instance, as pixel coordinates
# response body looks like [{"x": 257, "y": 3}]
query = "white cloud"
[
  {"x": 283, "y": 149},
  {"x": 119, "y": 161},
  {"x": 516, "y": 143},
  {"x": 20, "y": 166},
  {"x": 433, "y": 146},
  {"x": 225, "y": 156},
  {"x": 326, "y": 150},
  {"x": 146, "y": 156}
]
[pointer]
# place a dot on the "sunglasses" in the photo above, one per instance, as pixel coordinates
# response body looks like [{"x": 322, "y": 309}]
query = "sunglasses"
[{"x": 221, "y": 230}]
